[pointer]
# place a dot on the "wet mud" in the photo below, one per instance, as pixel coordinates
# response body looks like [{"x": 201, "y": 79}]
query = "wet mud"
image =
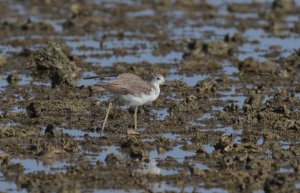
[{"x": 226, "y": 121}]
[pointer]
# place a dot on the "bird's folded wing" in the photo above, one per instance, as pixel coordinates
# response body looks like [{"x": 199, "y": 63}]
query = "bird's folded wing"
[
  {"x": 128, "y": 76},
  {"x": 129, "y": 86}
]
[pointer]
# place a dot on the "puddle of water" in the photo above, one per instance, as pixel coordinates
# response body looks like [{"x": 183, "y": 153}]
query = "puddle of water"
[
  {"x": 170, "y": 136},
  {"x": 24, "y": 79},
  {"x": 42, "y": 83},
  {"x": 231, "y": 96},
  {"x": 150, "y": 168},
  {"x": 209, "y": 148},
  {"x": 229, "y": 130},
  {"x": 83, "y": 81},
  {"x": 116, "y": 191},
  {"x": 143, "y": 57},
  {"x": 17, "y": 109},
  {"x": 205, "y": 116},
  {"x": 258, "y": 191},
  {"x": 95, "y": 51},
  {"x": 146, "y": 12},
  {"x": 286, "y": 170},
  {"x": 3, "y": 82},
  {"x": 213, "y": 190},
  {"x": 237, "y": 140},
  {"x": 202, "y": 118},
  {"x": 189, "y": 80},
  {"x": 31, "y": 165},
  {"x": 177, "y": 153},
  {"x": 104, "y": 152},
  {"x": 168, "y": 172},
  {"x": 9, "y": 187},
  {"x": 10, "y": 124},
  {"x": 226, "y": 130},
  {"x": 217, "y": 108},
  {"x": 77, "y": 134},
  {"x": 269, "y": 153},
  {"x": 288, "y": 44},
  {"x": 260, "y": 141},
  {"x": 164, "y": 187},
  {"x": 160, "y": 114},
  {"x": 285, "y": 145},
  {"x": 230, "y": 70},
  {"x": 203, "y": 32},
  {"x": 246, "y": 15},
  {"x": 200, "y": 165},
  {"x": 104, "y": 98}
]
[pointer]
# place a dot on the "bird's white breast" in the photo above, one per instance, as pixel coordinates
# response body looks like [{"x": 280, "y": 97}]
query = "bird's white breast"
[{"x": 143, "y": 98}]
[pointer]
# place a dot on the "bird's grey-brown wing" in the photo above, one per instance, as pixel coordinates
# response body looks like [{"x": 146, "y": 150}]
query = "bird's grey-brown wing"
[
  {"x": 127, "y": 83},
  {"x": 128, "y": 76}
]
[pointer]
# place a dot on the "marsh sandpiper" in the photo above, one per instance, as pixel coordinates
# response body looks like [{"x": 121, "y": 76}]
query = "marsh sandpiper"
[{"x": 133, "y": 90}]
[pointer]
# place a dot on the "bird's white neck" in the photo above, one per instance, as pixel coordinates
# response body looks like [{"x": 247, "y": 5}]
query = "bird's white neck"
[{"x": 156, "y": 87}]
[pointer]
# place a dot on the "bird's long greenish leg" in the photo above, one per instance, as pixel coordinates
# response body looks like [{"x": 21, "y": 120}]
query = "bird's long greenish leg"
[
  {"x": 135, "y": 118},
  {"x": 106, "y": 116}
]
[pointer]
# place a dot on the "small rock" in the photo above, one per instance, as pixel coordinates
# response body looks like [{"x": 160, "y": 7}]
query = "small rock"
[
  {"x": 113, "y": 159},
  {"x": 49, "y": 130},
  {"x": 132, "y": 132},
  {"x": 12, "y": 78},
  {"x": 138, "y": 152},
  {"x": 33, "y": 111},
  {"x": 196, "y": 171}
]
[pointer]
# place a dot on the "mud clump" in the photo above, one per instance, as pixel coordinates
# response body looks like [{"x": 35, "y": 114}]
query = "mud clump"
[
  {"x": 292, "y": 62},
  {"x": 53, "y": 62},
  {"x": 24, "y": 27},
  {"x": 82, "y": 20},
  {"x": 2, "y": 60},
  {"x": 251, "y": 65},
  {"x": 39, "y": 108},
  {"x": 237, "y": 38},
  {"x": 243, "y": 7},
  {"x": 199, "y": 64},
  {"x": 203, "y": 57},
  {"x": 277, "y": 183},
  {"x": 6, "y": 131},
  {"x": 135, "y": 147},
  {"x": 206, "y": 86},
  {"x": 217, "y": 48},
  {"x": 113, "y": 159},
  {"x": 296, "y": 27},
  {"x": 278, "y": 113},
  {"x": 283, "y": 5},
  {"x": 33, "y": 110}
]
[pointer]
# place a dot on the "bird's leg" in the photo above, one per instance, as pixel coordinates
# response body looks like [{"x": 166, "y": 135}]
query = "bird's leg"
[
  {"x": 106, "y": 116},
  {"x": 135, "y": 118}
]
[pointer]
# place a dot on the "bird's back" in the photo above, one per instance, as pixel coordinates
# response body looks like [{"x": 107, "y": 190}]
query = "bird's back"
[{"x": 127, "y": 83}]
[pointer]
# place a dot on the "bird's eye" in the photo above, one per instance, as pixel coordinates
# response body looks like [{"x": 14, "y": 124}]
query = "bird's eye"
[{"x": 157, "y": 78}]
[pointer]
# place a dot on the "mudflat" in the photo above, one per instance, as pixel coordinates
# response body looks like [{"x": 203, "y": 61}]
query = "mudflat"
[{"x": 227, "y": 120}]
